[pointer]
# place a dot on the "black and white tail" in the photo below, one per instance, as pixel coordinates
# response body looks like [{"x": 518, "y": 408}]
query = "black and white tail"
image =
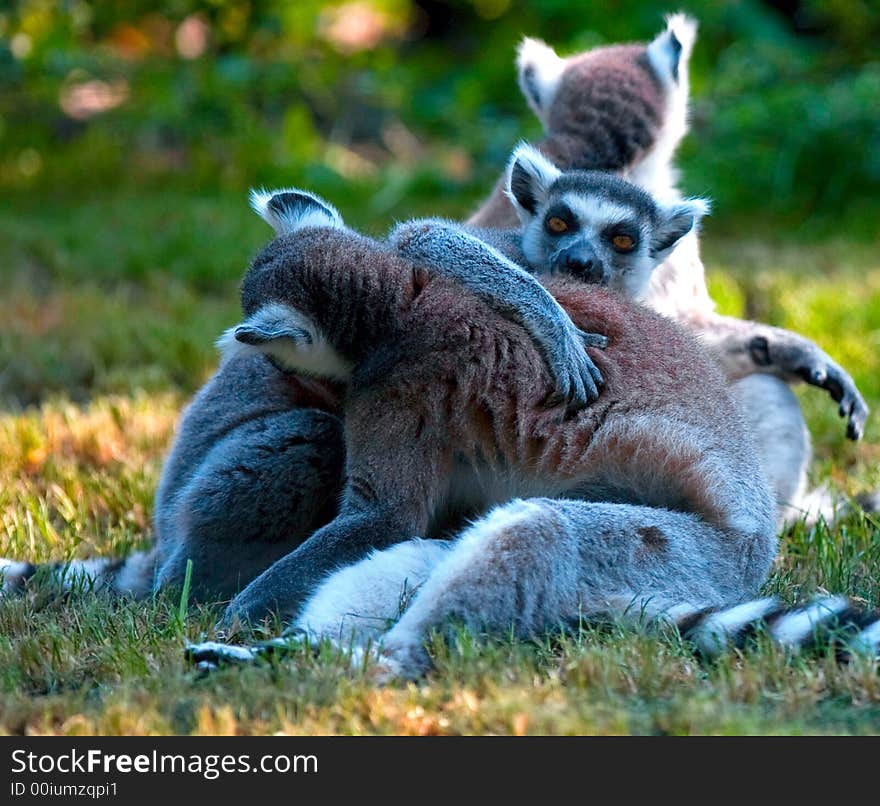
[
  {"x": 835, "y": 621},
  {"x": 131, "y": 576}
]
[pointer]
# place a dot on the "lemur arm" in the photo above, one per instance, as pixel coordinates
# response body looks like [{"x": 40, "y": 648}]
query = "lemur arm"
[
  {"x": 745, "y": 348},
  {"x": 444, "y": 248}
]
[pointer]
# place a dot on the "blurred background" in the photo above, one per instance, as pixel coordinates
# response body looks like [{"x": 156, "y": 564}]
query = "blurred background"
[{"x": 384, "y": 101}]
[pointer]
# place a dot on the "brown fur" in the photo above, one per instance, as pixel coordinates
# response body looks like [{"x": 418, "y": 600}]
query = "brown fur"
[
  {"x": 441, "y": 382},
  {"x": 605, "y": 116}
]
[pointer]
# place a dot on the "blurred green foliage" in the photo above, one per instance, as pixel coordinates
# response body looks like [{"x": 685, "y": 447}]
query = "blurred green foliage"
[{"x": 386, "y": 105}]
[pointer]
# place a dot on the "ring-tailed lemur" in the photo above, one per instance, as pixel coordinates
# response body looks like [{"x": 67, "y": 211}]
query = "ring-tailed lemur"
[
  {"x": 444, "y": 411},
  {"x": 673, "y": 521},
  {"x": 591, "y": 225},
  {"x": 599, "y": 212},
  {"x": 256, "y": 464},
  {"x": 624, "y": 108}
]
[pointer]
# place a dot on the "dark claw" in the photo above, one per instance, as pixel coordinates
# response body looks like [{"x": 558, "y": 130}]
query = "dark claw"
[{"x": 857, "y": 416}]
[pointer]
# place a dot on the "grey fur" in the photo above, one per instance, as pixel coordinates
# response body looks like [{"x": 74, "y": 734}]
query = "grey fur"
[
  {"x": 749, "y": 347},
  {"x": 490, "y": 274},
  {"x": 508, "y": 289},
  {"x": 587, "y": 99},
  {"x": 487, "y": 261},
  {"x": 582, "y": 133},
  {"x": 559, "y": 576},
  {"x": 251, "y": 476},
  {"x": 738, "y": 519},
  {"x": 541, "y": 563}
]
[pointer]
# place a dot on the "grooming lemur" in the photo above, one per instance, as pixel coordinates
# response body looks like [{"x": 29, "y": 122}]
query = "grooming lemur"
[
  {"x": 624, "y": 108},
  {"x": 257, "y": 462},
  {"x": 443, "y": 408},
  {"x": 658, "y": 505}
]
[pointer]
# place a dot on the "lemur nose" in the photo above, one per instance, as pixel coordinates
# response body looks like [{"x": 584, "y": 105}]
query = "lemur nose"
[
  {"x": 585, "y": 266},
  {"x": 578, "y": 263}
]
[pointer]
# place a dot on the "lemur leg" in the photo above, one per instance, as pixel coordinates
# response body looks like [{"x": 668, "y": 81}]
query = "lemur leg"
[
  {"x": 384, "y": 502},
  {"x": 780, "y": 436},
  {"x": 255, "y": 468},
  {"x": 541, "y": 563},
  {"x": 251, "y": 476},
  {"x": 361, "y": 601},
  {"x": 783, "y": 444},
  {"x": 446, "y": 249},
  {"x": 744, "y": 348},
  {"x": 259, "y": 493}
]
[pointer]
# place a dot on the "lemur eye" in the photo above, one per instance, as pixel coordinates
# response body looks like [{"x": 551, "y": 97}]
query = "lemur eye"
[
  {"x": 623, "y": 243},
  {"x": 556, "y": 224}
]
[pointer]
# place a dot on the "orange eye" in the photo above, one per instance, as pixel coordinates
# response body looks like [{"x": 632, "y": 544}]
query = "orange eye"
[
  {"x": 623, "y": 243},
  {"x": 556, "y": 224}
]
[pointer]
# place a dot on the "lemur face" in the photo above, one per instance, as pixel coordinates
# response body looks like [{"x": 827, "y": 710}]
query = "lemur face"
[{"x": 594, "y": 225}]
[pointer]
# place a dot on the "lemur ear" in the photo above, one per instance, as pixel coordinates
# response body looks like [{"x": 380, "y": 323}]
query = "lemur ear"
[
  {"x": 670, "y": 50},
  {"x": 539, "y": 70},
  {"x": 263, "y": 330},
  {"x": 529, "y": 176},
  {"x": 676, "y": 221},
  {"x": 288, "y": 209}
]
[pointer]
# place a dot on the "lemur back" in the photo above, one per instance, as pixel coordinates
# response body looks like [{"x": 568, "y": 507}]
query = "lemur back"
[
  {"x": 394, "y": 326},
  {"x": 441, "y": 385}
]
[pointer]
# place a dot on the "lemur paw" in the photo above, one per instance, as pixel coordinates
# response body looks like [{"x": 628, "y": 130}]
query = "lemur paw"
[
  {"x": 403, "y": 662},
  {"x": 816, "y": 368},
  {"x": 576, "y": 377},
  {"x": 209, "y": 655},
  {"x": 843, "y": 390}
]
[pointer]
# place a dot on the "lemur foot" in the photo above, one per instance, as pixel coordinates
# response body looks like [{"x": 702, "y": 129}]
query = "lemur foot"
[
  {"x": 400, "y": 663},
  {"x": 209, "y": 655},
  {"x": 807, "y": 362}
]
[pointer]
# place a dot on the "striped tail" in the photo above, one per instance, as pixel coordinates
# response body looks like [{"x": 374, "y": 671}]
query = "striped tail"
[
  {"x": 836, "y": 620},
  {"x": 131, "y": 576},
  {"x": 851, "y": 629}
]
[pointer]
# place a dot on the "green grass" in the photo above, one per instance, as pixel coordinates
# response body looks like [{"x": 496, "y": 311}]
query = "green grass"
[{"x": 108, "y": 314}]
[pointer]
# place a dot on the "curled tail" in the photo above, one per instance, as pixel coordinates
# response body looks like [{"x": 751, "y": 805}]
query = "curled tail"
[
  {"x": 130, "y": 576},
  {"x": 850, "y": 628}
]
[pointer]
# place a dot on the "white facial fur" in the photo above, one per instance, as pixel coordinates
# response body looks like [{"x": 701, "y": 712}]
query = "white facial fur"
[{"x": 605, "y": 206}]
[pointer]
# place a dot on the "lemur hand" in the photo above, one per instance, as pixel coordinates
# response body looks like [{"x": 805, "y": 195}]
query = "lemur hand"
[
  {"x": 802, "y": 359},
  {"x": 447, "y": 249},
  {"x": 576, "y": 378}
]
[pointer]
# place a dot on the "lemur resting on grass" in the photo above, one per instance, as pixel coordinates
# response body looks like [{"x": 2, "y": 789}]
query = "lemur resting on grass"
[
  {"x": 258, "y": 458},
  {"x": 657, "y": 505},
  {"x": 444, "y": 412}
]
